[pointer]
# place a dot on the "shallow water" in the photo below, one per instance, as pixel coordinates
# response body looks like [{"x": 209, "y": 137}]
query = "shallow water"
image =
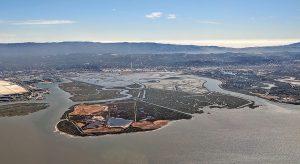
[{"x": 268, "y": 134}]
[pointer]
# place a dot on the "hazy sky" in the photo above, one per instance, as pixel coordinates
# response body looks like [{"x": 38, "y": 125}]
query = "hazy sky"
[{"x": 220, "y": 22}]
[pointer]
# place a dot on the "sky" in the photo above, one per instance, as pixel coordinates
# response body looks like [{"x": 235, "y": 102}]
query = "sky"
[{"x": 231, "y": 23}]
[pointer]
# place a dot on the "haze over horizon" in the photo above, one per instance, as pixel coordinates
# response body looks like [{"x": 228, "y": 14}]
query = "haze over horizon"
[
  {"x": 149, "y": 81},
  {"x": 219, "y": 43},
  {"x": 228, "y": 23}
]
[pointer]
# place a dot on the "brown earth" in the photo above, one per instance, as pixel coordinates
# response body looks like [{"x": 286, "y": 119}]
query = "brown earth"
[
  {"x": 84, "y": 110},
  {"x": 147, "y": 125},
  {"x": 103, "y": 129}
]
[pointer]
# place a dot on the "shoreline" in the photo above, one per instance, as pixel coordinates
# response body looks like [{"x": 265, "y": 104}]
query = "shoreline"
[
  {"x": 64, "y": 120},
  {"x": 124, "y": 131},
  {"x": 21, "y": 109},
  {"x": 242, "y": 106},
  {"x": 248, "y": 94},
  {"x": 109, "y": 135}
]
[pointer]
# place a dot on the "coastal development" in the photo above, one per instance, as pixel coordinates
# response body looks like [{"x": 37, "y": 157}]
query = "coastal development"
[
  {"x": 17, "y": 100},
  {"x": 267, "y": 81},
  {"x": 8, "y": 88}
]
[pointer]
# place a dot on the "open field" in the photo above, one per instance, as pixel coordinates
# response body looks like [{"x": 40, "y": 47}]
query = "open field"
[
  {"x": 81, "y": 91},
  {"x": 122, "y": 79},
  {"x": 192, "y": 103},
  {"x": 183, "y": 83},
  {"x": 140, "y": 116},
  {"x": 21, "y": 109}
]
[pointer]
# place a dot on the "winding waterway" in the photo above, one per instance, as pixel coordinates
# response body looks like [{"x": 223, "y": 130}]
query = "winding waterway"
[
  {"x": 268, "y": 134},
  {"x": 213, "y": 85}
]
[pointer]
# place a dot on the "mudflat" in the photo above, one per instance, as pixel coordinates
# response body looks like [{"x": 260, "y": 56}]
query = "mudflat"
[{"x": 20, "y": 109}]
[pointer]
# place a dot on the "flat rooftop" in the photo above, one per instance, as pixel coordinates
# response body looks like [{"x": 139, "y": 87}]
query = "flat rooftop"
[{"x": 9, "y": 88}]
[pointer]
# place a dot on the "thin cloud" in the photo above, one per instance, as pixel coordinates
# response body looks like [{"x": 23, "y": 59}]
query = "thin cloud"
[
  {"x": 5, "y": 37},
  {"x": 171, "y": 16},
  {"x": 41, "y": 22},
  {"x": 154, "y": 15},
  {"x": 209, "y": 22}
]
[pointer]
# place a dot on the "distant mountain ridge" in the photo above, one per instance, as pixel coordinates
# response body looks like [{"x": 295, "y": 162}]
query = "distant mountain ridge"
[
  {"x": 94, "y": 47},
  {"x": 295, "y": 47},
  {"x": 63, "y": 48}
]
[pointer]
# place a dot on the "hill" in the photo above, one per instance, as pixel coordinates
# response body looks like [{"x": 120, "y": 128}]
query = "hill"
[{"x": 63, "y": 48}]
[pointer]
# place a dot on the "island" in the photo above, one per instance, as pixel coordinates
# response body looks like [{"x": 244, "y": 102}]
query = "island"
[{"x": 139, "y": 104}]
